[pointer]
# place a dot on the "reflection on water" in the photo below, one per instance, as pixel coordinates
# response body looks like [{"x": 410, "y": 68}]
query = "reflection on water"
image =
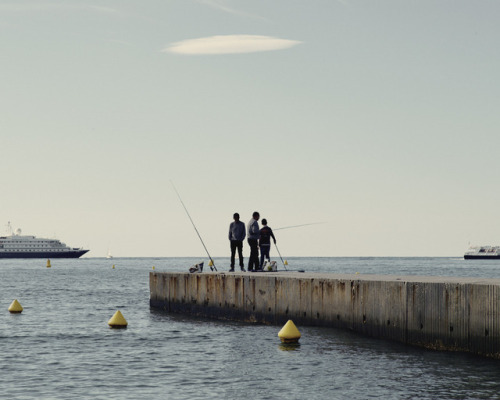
[{"x": 289, "y": 346}]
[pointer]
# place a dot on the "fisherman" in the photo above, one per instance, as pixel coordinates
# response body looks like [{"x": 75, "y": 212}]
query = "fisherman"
[
  {"x": 253, "y": 235},
  {"x": 236, "y": 236},
  {"x": 266, "y": 233}
]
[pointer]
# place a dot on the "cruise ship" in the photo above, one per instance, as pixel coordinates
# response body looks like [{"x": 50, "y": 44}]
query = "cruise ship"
[
  {"x": 17, "y": 245},
  {"x": 483, "y": 252}
]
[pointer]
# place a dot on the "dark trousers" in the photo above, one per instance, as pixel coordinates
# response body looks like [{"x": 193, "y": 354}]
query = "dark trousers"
[
  {"x": 253, "y": 261},
  {"x": 264, "y": 253},
  {"x": 236, "y": 244}
]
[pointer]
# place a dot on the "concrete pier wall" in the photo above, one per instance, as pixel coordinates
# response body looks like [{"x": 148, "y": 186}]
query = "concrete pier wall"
[{"x": 440, "y": 313}]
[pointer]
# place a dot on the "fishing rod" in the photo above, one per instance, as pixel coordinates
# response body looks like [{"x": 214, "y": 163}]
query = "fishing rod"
[
  {"x": 212, "y": 264},
  {"x": 296, "y": 226},
  {"x": 284, "y": 264}
]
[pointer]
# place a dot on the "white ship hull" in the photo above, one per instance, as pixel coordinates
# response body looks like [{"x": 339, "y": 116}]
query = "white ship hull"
[{"x": 483, "y": 253}]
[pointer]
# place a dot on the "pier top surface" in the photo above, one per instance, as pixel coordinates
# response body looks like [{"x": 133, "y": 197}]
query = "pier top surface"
[{"x": 349, "y": 277}]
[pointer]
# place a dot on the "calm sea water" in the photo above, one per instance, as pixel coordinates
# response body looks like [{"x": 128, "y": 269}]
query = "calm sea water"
[{"x": 61, "y": 347}]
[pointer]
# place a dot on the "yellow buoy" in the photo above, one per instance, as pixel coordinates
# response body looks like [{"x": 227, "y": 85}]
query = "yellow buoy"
[
  {"x": 15, "y": 307},
  {"x": 113, "y": 266},
  {"x": 117, "y": 321},
  {"x": 211, "y": 264},
  {"x": 48, "y": 264},
  {"x": 153, "y": 267},
  {"x": 289, "y": 333},
  {"x": 286, "y": 262}
]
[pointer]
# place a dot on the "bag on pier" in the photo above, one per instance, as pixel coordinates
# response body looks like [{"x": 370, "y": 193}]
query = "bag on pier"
[
  {"x": 196, "y": 268},
  {"x": 270, "y": 266}
]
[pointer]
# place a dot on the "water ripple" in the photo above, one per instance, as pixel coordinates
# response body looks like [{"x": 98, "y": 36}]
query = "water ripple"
[{"x": 61, "y": 346}]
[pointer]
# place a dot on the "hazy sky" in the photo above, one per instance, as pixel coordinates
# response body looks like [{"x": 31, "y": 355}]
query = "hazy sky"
[{"x": 380, "y": 118}]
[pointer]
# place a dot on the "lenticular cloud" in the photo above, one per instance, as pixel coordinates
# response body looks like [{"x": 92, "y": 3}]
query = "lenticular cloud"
[{"x": 229, "y": 44}]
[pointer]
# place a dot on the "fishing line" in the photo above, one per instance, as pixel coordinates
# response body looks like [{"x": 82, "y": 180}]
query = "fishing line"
[
  {"x": 280, "y": 256},
  {"x": 194, "y": 226},
  {"x": 296, "y": 226}
]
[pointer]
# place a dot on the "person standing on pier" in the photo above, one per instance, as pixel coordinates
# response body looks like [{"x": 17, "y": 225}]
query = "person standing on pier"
[
  {"x": 236, "y": 236},
  {"x": 253, "y": 235},
  {"x": 266, "y": 233}
]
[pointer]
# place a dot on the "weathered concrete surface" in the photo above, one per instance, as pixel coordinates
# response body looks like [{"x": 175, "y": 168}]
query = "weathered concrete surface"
[{"x": 460, "y": 314}]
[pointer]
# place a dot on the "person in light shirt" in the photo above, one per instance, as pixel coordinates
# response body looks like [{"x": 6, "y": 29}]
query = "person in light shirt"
[
  {"x": 236, "y": 236},
  {"x": 253, "y": 236}
]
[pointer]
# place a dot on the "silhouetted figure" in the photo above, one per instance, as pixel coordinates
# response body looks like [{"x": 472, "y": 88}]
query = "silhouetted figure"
[
  {"x": 236, "y": 236},
  {"x": 253, "y": 235},
  {"x": 266, "y": 233}
]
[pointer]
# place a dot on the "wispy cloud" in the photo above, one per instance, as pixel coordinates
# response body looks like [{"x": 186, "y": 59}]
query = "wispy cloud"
[
  {"x": 229, "y": 44},
  {"x": 103, "y": 9},
  {"x": 221, "y": 5},
  {"x": 30, "y": 7}
]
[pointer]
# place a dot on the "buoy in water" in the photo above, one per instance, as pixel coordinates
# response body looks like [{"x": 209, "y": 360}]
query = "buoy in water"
[
  {"x": 289, "y": 333},
  {"x": 48, "y": 264},
  {"x": 15, "y": 307},
  {"x": 113, "y": 266},
  {"x": 117, "y": 321},
  {"x": 153, "y": 267},
  {"x": 286, "y": 262}
]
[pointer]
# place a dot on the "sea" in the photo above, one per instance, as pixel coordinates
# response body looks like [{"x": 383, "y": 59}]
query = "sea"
[{"x": 61, "y": 347}]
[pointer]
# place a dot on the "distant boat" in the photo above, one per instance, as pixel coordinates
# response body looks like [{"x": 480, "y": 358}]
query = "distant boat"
[
  {"x": 109, "y": 254},
  {"x": 16, "y": 245},
  {"x": 483, "y": 253}
]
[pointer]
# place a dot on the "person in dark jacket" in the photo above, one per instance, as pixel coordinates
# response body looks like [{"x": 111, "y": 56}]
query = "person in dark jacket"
[
  {"x": 253, "y": 235},
  {"x": 236, "y": 236},
  {"x": 266, "y": 233}
]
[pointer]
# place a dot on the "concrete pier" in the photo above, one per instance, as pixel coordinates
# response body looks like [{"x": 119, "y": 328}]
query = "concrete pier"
[{"x": 458, "y": 314}]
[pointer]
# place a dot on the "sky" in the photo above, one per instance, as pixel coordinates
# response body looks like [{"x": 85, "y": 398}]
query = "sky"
[{"x": 378, "y": 119}]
